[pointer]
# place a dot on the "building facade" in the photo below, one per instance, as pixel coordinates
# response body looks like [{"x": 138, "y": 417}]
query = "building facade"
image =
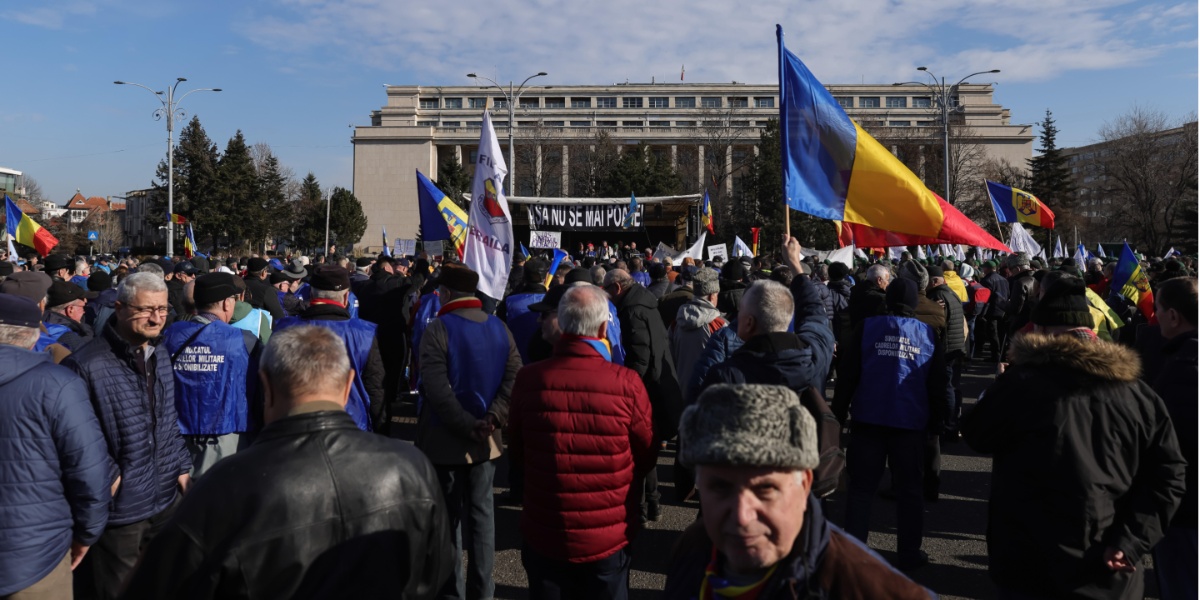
[
  {"x": 709, "y": 132},
  {"x": 145, "y": 226}
]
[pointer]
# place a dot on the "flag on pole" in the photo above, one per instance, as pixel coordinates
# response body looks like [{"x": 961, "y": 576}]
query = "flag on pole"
[
  {"x": 26, "y": 231},
  {"x": 190, "y": 249},
  {"x": 1020, "y": 241},
  {"x": 559, "y": 256},
  {"x": 754, "y": 231},
  {"x": 1058, "y": 248},
  {"x": 387, "y": 251},
  {"x": 706, "y": 220},
  {"x": 1131, "y": 281},
  {"x": 740, "y": 248},
  {"x": 12, "y": 250},
  {"x": 1170, "y": 253},
  {"x": 1081, "y": 258},
  {"x": 921, "y": 255},
  {"x": 178, "y": 219},
  {"x": 436, "y": 207},
  {"x": 895, "y": 252},
  {"x": 835, "y": 170},
  {"x": 959, "y": 253},
  {"x": 524, "y": 251},
  {"x": 859, "y": 253},
  {"x": 490, "y": 244},
  {"x": 697, "y": 249},
  {"x": 627, "y": 222},
  {"x": 1100, "y": 251},
  {"x": 1018, "y": 206},
  {"x": 681, "y": 72}
]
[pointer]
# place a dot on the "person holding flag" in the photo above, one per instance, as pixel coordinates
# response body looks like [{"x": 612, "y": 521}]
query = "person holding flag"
[
  {"x": 1129, "y": 280},
  {"x": 631, "y": 214},
  {"x": 437, "y": 209}
]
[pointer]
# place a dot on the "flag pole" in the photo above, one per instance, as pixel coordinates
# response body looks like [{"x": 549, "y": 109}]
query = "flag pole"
[{"x": 787, "y": 212}]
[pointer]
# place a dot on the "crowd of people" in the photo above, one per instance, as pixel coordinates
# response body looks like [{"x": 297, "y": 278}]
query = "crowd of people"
[{"x": 223, "y": 427}]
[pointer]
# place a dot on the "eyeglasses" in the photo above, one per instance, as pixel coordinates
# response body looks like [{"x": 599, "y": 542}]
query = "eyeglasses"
[{"x": 141, "y": 312}]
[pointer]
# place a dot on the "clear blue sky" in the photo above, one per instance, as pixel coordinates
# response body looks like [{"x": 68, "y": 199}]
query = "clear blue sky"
[{"x": 296, "y": 73}]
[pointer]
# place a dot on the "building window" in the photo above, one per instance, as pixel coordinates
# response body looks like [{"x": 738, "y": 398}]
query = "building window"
[
  {"x": 476, "y": 124},
  {"x": 897, "y": 102},
  {"x": 844, "y": 101},
  {"x": 500, "y": 102},
  {"x": 426, "y": 123},
  {"x": 660, "y": 123},
  {"x": 581, "y": 102},
  {"x": 606, "y": 123},
  {"x": 710, "y": 103},
  {"x": 764, "y": 103},
  {"x": 868, "y": 102},
  {"x": 922, "y": 102},
  {"x": 899, "y": 123},
  {"x": 581, "y": 123},
  {"x": 499, "y": 124},
  {"x": 429, "y": 103},
  {"x": 631, "y": 123},
  {"x": 608, "y": 102},
  {"x": 660, "y": 103},
  {"x": 477, "y": 102},
  {"x": 527, "y": 123},
  {"x": 453, "y": 102},
  {"x": 739, "y": 123},
  {"x": 556, "y": 102},
  {"x": 530, "y": 103},
  {"x": 451, "y": 123},
  {"x": 685, "y": 123},
  {"x": 872, "y": 123},
  {"x": 474, "y": 157},
  {"x": 554, "y": 123},
  {"x": 927, "y": 123},
  {"x": 739, "y": 103},
  {"x": 682, "y": 102},
  {"x": 631, "y": 102}
]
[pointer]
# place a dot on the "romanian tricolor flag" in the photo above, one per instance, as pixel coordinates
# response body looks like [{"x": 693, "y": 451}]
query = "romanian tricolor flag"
[
  {"x": 1131, "y": 281},
  {"x": 178, "y": 219},
  {"x": 27, "y": 232},
  {"x": 189, "y": 244},
  {"x": 437, "y": 208},
  {"x": 956, "y": 229},
  {"x": 706, "y": 221},
  {"x": 1018, "y": 206},
  {"x": 834, "y": 170}
]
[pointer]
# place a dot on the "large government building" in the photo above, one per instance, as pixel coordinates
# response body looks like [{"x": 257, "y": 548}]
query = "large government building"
[{"x": 421, "y": 127}]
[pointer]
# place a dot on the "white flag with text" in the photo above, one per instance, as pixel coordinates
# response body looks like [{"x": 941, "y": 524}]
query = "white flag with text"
[{"x": 490, "y": 234}]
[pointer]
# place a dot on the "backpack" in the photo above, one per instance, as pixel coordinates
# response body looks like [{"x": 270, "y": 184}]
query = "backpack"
[
  {"x": 977, "y": 300},
  {"x": 829, "y": 443}
]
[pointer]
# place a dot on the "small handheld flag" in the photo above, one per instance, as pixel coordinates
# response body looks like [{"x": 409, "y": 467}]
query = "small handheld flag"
[
  {"x": 559, "y": 256},
  {"x": 1131, "y": 281},
  {"x": 706, "y": 220},
  {"x": 627, "y": 222},
  {"x": 1081, "y": 258},
  {"x": 1100, "y": 251},
  {"x": 436, "y": 207},
  {"x": 740, "y": 248},
  {"x": 26, "y": 231},
  {"x": 386, "y": 250}
]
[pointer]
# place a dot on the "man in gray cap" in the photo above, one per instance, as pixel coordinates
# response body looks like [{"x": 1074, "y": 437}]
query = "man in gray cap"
[
  {"x": 695, "y": 322},
  {"x": 754, "y": 448},
  {"x": 1020, "y": 291}
]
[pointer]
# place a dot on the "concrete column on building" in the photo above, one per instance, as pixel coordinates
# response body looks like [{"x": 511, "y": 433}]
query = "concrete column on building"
[
  {"x": 458, "y": 153},
  {"x": 675, "y": 157},
  {"x": 700, "y": 164},
  {"x": 566, "y": 170},
  {"x": 729, "y": 170},
  {"x": 538, "y": 171}
]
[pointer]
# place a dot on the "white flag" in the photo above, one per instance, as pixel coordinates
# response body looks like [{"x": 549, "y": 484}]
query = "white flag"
[
  {"x": 1081, "y": 258},
  {"x": 959, "y": 254},
  {"x": 740, "y": 248},
  {"x": 859, "y": 253},
  {"x": 490, "y": 239},
  {"x": 1058, "y": 249},
  {"x": 1020, "y": 241},
  {"x": 697, "y": 249},
  {"x": 896, "y": 252},
  {"x": 1100, "y": 251},
  {"x": 12, "y": 251},
  {"x": 844, "y": 255},
  {"x": 1170, "y": 252},
  {"x": 921, "y": 252}
]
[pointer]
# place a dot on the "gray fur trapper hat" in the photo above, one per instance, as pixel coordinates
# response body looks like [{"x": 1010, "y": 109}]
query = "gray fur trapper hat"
[{"x": 748, "y": 425}]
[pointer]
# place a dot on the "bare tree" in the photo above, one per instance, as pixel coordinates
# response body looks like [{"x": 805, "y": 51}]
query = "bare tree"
[
  {"x": 728, "y": 139},
  {"x": 33, "y": 190},
  {"x": 1146, "y": 168},
  {"x": 592, "y": 161},
  {"x": 110, "y": 231},
  {"x": 538, "y": 155}
]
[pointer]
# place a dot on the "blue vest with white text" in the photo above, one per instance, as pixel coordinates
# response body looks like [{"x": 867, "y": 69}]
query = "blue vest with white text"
[
  {"x": 522, "y": 322},
  {"x": 897, "y": 354},
  {"x": 211, "y": 378},
  {"x": 358, "y": 335},
  {"x": 477, "y": 361}
]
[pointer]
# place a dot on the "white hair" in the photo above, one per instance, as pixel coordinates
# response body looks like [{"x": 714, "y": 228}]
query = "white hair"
[
  {"x": 582, "y": 310},
  {"x": 771, "y": 305},
  {"x": 80, "y": 267},
  {"x": 139, "y": 282},
  {"x": 21, "y": 337},
  {"x": 877, "y": 270},
  {"x": 306, "y": 357},
  {"x": 152, "y": 268}
]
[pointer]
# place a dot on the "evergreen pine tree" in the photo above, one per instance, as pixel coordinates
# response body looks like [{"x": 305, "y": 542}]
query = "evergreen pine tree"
[
  {"x": 1050, "y": 177},
  {"x": 308, "y": 230},
  {"x": 347, "y": 222},
  {"x": 272, "y": 203},
  {"x": 196, "y": 161},
  {"x": 454, "y": 180},
  {"x": 234, "y": 211}
]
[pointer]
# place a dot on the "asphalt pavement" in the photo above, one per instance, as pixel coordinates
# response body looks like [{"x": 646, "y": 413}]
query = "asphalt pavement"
[{"x": 955, "y": 526}]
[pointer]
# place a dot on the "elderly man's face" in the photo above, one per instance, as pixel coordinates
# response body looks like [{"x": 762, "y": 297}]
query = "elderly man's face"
[
  {"x": 146, "y": 315},
  {"x": 753, "y": 515},
  {"x": 551, "y": 332}
]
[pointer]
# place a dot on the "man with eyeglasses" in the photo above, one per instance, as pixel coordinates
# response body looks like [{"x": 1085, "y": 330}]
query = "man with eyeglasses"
[
  {"x": 132, "y": 387},
  {"x": 64, "y": 317}
]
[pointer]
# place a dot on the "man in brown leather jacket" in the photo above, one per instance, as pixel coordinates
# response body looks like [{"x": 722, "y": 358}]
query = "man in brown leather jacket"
[{"x": 315, "y": 508}]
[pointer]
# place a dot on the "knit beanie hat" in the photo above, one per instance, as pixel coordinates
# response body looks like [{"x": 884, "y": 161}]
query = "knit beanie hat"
[
  {"x": 838, "y": 271},
  {"x": 1063, "y": 305},
  {"x": 902, "y": 292},
  {"x": 915, "y": 272},
  {"x": 705, "y": 282},
  {"x": 749, "y": 426}
]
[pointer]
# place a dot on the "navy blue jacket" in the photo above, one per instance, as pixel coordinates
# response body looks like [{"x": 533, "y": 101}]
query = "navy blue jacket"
[
  {"x": 55, "y": 475},
  {"x": 136, "y": 407}
]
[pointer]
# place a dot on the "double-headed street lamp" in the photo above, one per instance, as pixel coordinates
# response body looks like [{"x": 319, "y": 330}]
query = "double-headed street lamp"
[
  {"x": 942, "y": 94},
  {"x": 170, "y": 108},
  {"x": 511, "y": 97}
]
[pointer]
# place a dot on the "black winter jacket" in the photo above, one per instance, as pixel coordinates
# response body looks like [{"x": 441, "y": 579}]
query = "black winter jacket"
[
  {"x": 1176, "y": 383},
  {"x": 1085, "y": 458},
  {"x": 315, "y": 508},
  {"x": 648, "y": 351},
  {"x": 1020, "y": 299},
  {"x": 136, "y": 407},
  {"x": 955, "y": 338},
  {"x": 999, "y": 299}
]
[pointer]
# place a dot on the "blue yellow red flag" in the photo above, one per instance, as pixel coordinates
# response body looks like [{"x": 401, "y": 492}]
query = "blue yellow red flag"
[
  {"x": 26, "y": 231},
  {"x": 706, "y": 220},
  {"x": 1130, "y": 280},
  {"x": 1018, "y": 206},
  {"x": 436, "y": 209}
]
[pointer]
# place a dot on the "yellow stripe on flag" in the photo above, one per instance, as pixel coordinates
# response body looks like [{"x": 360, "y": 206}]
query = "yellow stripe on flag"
[{"x": 885, "y": 194}]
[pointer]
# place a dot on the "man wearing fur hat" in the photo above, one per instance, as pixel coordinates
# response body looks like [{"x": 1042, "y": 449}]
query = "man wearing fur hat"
[
  {"x": 468, "y": 363},
  {"x": 1087, "y": 470},
  {"x": 761, "y": 534}
]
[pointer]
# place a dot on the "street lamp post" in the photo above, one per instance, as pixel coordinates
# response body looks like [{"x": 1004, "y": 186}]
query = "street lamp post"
[
  {"x": 942, "y": 92},
  {"x": 511, "y": 98},
  {"x": 170, "y": 108}
]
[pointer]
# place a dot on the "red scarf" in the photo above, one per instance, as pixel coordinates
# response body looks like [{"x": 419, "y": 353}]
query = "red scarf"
[
  {"x": 316, "y": 301},
  {"x": 454, "y": 305}
]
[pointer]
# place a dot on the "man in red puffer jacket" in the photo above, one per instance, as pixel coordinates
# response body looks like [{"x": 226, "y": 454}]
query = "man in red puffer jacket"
[{"x": 581, "y": 427}]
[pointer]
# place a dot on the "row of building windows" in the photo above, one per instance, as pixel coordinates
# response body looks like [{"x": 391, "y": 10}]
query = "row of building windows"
[
  {"x": 592, "y": 123},
  {"x": 888, "y": 102},
  {"x": 601, "y": 102}
]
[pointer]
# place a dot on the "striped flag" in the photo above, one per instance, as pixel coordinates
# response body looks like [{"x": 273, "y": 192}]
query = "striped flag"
[{"x": 26, "y": 231}]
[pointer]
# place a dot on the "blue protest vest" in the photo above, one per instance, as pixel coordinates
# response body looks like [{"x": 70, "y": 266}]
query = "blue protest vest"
[
  {"x": 897, "y": 354},
  {"x": 210, "y": 377},
  {"x": 426, "y": 312},
  {"x": 304, "y": 293},
  {"x": 358, "y": 335},
  {"x": 55, "y": 331},
  {"x": 522, "y": 322},
  {"x": 478, "y": 359},
  {"x": 614, "y": 335}
]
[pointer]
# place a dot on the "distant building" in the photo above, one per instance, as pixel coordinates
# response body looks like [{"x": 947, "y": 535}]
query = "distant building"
[
  {"x": 12, "y": 182},
  {"x": 145, "y": 226},
  {"x": 422, "y": 127}
]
